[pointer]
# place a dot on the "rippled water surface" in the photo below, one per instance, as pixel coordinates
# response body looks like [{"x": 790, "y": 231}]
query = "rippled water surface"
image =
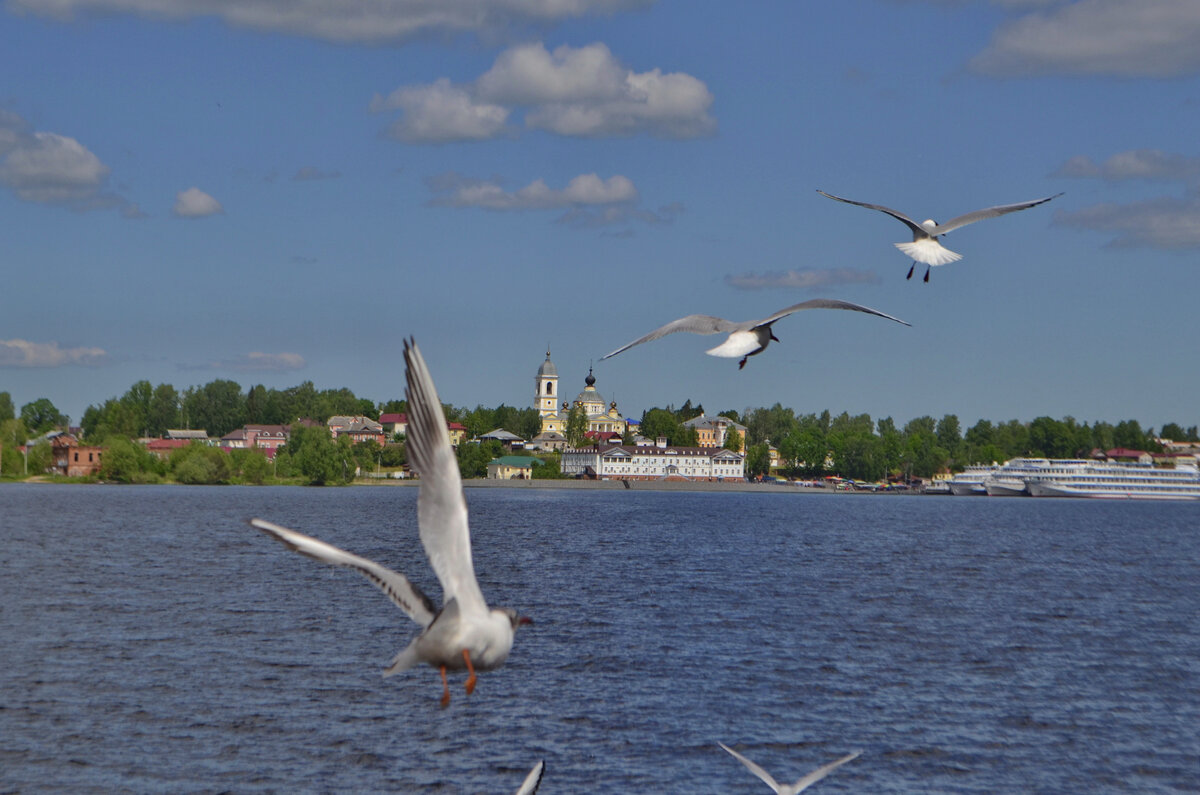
[{"x": 151, "y": 641}]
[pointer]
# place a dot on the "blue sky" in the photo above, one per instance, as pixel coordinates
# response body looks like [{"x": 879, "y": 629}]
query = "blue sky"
[{"x": 274, "y": 193}]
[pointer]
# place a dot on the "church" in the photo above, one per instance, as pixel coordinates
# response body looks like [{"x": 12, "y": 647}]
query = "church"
[{"x": 602, "y": 418}]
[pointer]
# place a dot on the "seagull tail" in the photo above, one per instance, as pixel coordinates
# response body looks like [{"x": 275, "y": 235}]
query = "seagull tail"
[
  {"x": 929, "y": 251},
  {"x": 406, "y": 659}
]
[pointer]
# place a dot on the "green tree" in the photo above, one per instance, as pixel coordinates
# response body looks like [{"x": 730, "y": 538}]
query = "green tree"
[
  {"x": 126, "y": 461},
  {"x": 163, "y": 413},
  {"x": 7, "y": 412},
  {"x": 40, "y": 458},
  {"x": 474, "y": 458},
  {"x": 217, "y": 407},
  {"x": 949, "y": 435},
  {"x": 758, "y": 460},
  {"x": 577, "y": 426},
  {"x": 200, "y": 464},
  {"x": 312, "y": 454},
  {"x": 41, "y": 416}
]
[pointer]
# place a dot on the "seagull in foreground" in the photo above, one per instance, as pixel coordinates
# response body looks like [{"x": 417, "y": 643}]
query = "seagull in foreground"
[
  {"x": 799, "y": 786},
  {"x": 748, "y": 338},
  {"x": 464, "y": 634},
  {"x": 925, "y": 246},
  {"x": 533, "y": 780}
]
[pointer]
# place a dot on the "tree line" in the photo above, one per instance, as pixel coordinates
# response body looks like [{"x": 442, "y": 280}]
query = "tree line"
[{"x": 808, "y": 445}]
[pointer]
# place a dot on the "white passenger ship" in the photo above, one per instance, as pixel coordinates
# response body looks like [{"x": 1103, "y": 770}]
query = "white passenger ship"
[
  {"x": 969, "y": 482},
  {"x": 1123, "y": 481},
  {"x": 1014, "y": 478}
]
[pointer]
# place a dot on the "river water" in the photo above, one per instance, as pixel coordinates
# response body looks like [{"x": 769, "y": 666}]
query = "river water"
[{"x": 152, "y": 642}]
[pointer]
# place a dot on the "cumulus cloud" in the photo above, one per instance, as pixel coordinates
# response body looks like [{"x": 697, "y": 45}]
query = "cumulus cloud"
[
  {"x": 23, "y": 353},
  {"x": 1164, "y": 223},
  {"x": 310, "y": 173},
  {"x": 453, "y": 190},
  {"x": 580, "y": 92},
  {"x": 195, "y": 203},
  {"x": 1146, "y": 38},
  {"x": 1146, "y": 164},
  {"x": 441, "y": 113},
  {"x": 50, "y": 168},
  {"x": 347, "y": 21},
  {"x": 810, "y": 279}
]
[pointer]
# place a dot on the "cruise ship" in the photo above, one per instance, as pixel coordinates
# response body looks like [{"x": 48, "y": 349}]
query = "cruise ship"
[
  {"x": 1113, "y": 480},
  {"x": 1013, "y": 479},
  {"x": 969, "y": 482}
]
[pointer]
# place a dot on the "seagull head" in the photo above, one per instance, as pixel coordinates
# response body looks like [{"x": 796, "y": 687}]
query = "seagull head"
[{"x": 929, "y": 223}]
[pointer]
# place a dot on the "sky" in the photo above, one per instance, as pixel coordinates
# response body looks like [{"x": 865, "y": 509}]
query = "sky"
[{"x": 275, "y": 193}]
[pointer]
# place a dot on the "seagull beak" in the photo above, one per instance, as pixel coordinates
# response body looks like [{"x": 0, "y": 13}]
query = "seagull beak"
[{"x": 774, "y": 337}]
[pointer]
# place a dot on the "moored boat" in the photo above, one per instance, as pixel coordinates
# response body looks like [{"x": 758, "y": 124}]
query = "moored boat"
[
  {"x": 969, "y": 482},
  {"x": 1114, "y": 480}
]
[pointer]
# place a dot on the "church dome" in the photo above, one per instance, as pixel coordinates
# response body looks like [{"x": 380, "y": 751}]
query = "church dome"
[
  {"x": 589, "y": 394},
  {"x": 547, "y": 368}
]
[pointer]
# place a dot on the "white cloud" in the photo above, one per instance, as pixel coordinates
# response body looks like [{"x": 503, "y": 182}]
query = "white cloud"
[
  {"x": 1129, "y": 38},
  {"x": 441, "y": 113},
  {"x": 195, "y": 203},
  {"x": 1147, "y": 164},
  {"x": 49, "y": 168},
  {"x": 812, "y": 279},
  {"x": 1164, "y": 223},
  {"x": 347, "y": 21},
  {"x": 582, "y": 92},
  {"x": 585, "y": 189},
  {"x": 23, "y": 353}
]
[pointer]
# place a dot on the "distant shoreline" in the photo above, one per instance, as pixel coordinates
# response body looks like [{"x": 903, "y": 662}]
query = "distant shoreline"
[
  {"x": 553, "y": 484},
  {"x": 633, "y": 485}
]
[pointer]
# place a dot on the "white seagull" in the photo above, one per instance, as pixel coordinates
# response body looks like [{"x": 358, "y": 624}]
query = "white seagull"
[
  {"x": 925, "y": 246},
  {"x": 747, "y": 338},
  {"x": 533, "y": 780},
  {"x": 464, "y": 634},
  {"x": 799, "y": 786}
]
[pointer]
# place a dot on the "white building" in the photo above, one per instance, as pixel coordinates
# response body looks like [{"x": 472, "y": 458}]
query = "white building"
[{"x": 627, "y": 462}]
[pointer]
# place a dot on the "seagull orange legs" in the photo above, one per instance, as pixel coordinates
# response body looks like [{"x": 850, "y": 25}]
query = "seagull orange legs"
[
  {"x": 471, "y": 670},
  {"x": 470, "y": 679}
]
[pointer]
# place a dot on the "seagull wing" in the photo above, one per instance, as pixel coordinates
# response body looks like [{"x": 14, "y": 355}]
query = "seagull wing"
[
  {"x": 990, "y": 212},
  {"x": 753, "y": 768},
  {"x": 533, "y": 780},
  {"x": 441, "y": 507},
  {"x": 695, "y": 324},
  {"x": 407, "y": 596},
  {"x": 823, "y": 303},
  {"x": 822, "y": 772},
  {"x": 899, "y": 216}
]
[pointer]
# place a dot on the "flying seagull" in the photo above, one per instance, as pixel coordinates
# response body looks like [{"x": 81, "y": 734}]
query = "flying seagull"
[
  {"x": 533, "y": 780},
  {"x": 799, "y": 786},
  {"x": 464, "y": 634},
  {"x": 747, "y": 338},
  {"x": 925, "y": 246}
]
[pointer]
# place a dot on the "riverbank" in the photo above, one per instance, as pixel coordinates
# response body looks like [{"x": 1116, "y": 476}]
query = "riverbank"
[
  {"x": 631, "y": 485},
  {"x": 553, "y": 484}
]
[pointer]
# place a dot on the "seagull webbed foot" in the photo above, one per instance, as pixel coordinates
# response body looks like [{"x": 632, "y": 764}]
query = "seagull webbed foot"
[
  {"x": 926, "y": 276},
  {"x": 742, "y": 363},
  {"x": 910, "y": 270}
]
